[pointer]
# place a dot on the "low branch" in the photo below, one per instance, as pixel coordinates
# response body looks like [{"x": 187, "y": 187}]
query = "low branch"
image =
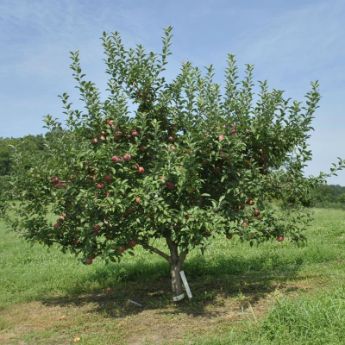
[{"x": 156, "y": 250}]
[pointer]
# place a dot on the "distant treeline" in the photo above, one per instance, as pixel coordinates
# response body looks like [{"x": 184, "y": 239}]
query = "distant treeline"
[
  {"x": 328, "y": 196},
  {"x": 323, "y": 196}
]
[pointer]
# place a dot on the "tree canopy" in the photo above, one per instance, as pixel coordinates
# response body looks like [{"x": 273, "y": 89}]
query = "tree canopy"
[{"x": 193, "y": 160}]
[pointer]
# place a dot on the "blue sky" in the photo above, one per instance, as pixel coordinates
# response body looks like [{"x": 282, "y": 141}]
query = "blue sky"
[{"x": 290, "y": 43}]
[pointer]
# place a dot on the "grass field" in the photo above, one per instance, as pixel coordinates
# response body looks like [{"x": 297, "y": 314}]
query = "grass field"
[{"x": 273, "y": 294}]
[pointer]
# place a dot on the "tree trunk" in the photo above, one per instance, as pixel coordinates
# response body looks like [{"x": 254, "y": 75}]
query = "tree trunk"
[
  {"x": 176, "y": 281},
  {"x": 176, "y": 261}
]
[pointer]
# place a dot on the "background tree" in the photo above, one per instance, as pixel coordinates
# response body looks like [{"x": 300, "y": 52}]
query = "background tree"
[
  {"x": 179, "y": 161},
  {"x": 28, "y": 145}
]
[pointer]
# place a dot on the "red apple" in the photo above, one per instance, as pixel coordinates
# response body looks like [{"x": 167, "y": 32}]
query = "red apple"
[
  {"x": 132, "y": 243},
  {"x": 88, "y": 261},
  {"x": 109, "y": 122},
  {"x": 138, "y": 200},
  {"x": 141, "y": 170},
  {"x": 102, "y": 138},
  {"x": 134, "y": 133},
  {"x": 94, "y": 141},
  {"x": 250, "y": 201},
  {"x": 54, "y": 180},
  {"x": 170, "y": 185},
  {"x": 221, "y": 137},
  {"x": 96, "y": 229},
  {"x": 257, "y": 212},
  {"x": 280, "y": 238},
  {"x": 108, "y": 178},
  {"x": 127, "y": 157},
  {"x": 100, "y": 185},
  {"x": 171, "y": 138},
  {"x": 116, "y": 159}
]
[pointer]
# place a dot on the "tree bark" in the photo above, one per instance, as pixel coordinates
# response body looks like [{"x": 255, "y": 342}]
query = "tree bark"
[
  {"x": 176, "y": 262},
  {"x": 176, "y": 281}
]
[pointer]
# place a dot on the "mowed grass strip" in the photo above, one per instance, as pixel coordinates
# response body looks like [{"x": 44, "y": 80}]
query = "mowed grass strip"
[{"x": 242, "y": 294}]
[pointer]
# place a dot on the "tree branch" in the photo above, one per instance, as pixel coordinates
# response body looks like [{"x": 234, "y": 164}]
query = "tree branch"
[{"x": 156, "y": 250}]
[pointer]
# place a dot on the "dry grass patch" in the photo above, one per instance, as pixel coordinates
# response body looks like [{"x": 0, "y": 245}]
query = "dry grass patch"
[{"x": 105, "y": 318}]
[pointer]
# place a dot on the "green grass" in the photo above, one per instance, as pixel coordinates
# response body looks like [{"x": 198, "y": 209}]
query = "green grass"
[
  {"x": 300, "y": 290},
  {"x": 307, "y": 320}
]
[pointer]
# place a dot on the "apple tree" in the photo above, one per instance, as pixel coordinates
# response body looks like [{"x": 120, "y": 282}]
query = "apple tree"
[{"x": 162, "y": 160}]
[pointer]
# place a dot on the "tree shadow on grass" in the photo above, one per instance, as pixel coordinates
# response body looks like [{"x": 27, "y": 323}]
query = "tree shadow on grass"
[{"x": 149, "y": 285}]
